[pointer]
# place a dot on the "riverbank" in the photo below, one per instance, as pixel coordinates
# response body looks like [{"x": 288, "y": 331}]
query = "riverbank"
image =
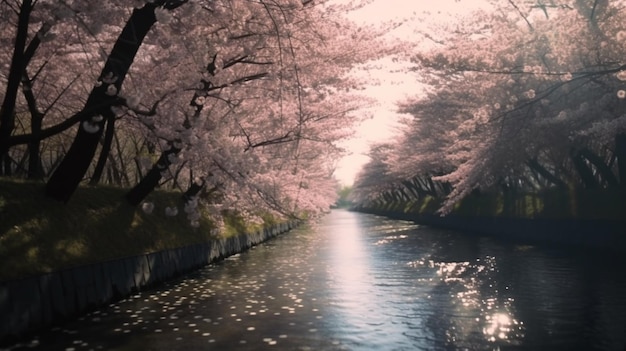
[
  {"x": 61, "y": 260},
  {"x": 602, "y": 234},
  {"x": 560, "y": 216},
  {"x": 40, "y": 301},
  {"x": 39, "y": 235}
]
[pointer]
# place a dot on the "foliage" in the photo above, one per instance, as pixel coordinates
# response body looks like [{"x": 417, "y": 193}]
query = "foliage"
[
  {"x": 245, "y": 99},
  {"x": 344, "y": 197},
  {"x": 555, "y": 203},
  {"x": 524, "y": 98}
]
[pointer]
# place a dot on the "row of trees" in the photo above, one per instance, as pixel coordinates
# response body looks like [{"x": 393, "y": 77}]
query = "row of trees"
[
  {"x": 243, "y": 99},
  {"x": 525, "y": 97}
]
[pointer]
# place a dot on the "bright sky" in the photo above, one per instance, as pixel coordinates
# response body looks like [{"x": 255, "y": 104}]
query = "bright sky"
[{"x": 396, "y": 86}]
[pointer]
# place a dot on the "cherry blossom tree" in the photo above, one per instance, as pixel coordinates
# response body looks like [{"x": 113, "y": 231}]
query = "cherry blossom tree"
[
  {"x": 74, "y": 36},
  {"x": 246, "y": 99},
  {"x": 527, "y": 96},
  {"x": 281, "y": 98},
  {"x": 375, "y": 185}
]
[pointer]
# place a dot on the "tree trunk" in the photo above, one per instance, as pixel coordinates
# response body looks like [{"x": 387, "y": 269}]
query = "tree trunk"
[
  {"x": 5, "y": 165},
  {"x": 7, "y": 110},
  {"x": 104, "y": 152},
  {"x": 35, "y": 168},
  {"x": 386, "y": 197},
  {"x": 410, "y": 187},
  {"x": 72, "y": 169},
  {"x": 420, "y": 187},
  {"x": 602, "y": 168},
  {"x": 124, "y": 168},
  {"x": 193, "y": 191},
  {"x": 148, "y": 183},
  {"x": 432, "y": 189},
  {"x": 534, "y": 165},
  {"x": 586, "y": 175},
  {"x": 403, "y": 196}
]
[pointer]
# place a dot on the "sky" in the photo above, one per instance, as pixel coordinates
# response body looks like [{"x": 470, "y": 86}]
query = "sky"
[{"x": 395, "y": 86}]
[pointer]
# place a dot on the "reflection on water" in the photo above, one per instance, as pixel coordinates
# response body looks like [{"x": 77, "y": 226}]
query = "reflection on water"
[{"x": 360, "y": 282}]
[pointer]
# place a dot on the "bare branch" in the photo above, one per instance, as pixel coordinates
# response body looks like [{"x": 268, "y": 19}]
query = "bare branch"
[{"x": 522, "y": 14}]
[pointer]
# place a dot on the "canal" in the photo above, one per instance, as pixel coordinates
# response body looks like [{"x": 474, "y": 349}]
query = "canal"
[{"x": 359, "y": 282}]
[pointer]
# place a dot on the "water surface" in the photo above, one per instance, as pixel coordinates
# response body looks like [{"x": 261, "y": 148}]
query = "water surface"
[{"x": 361, "y": 282}]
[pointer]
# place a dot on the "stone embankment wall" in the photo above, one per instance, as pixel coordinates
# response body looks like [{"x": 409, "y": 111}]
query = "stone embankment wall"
[
  {"x": 29, "y": 304},
  {"x": 588, "y": 233}
]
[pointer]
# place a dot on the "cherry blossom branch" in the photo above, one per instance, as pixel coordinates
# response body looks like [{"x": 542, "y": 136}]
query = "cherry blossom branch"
[
  {"x": 56, "y": 129},
  {"x": 521, "y": 14},
  {"x": 593, "y": 10},
  {"x": 244, "y": 59},
  {"x": 288, "y": 137},
  {"x": 578, "y": 76}
]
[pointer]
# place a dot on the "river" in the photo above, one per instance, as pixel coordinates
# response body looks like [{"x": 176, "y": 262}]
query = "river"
[{"x": 360, "y": 282}]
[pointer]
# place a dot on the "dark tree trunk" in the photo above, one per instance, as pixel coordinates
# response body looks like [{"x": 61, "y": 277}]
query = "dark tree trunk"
[
  {"x": 602, "y": 168},
  {"x": 586, "y": 174},
  {"x": 432, "y": 187},
  {"x": 104, "y": 152},
  {"x": 7, "y": 110},
  {"x": 402, "y": 193},
  {"x": 72, "y": 169},
  {"x": 387, "y": 197},
  {"x": 148, "y": 183},
  {"x": 124, "y": 168},
  {"x": 541, "y": 170},
  {"x": 420, "y": 187},
  {"x": 410, "y": 187},
  {"x": 35, "y": 168},
  {"x": 5, "y": 165},
  {"x": 115, "y": 174},
  {"x": 193, "y": 191}
]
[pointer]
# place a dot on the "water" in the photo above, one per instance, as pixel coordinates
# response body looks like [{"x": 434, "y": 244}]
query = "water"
[{"x": 361, "y": 282}]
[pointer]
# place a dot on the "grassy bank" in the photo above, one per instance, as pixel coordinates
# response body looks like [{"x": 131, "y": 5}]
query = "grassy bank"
[{"x": 41, "y": 235}]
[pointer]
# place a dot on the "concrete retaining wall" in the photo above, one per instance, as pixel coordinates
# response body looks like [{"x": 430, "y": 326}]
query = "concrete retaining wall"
[
  {"x": 589, "y": 233},
  {"x": 29, "y": 304}
]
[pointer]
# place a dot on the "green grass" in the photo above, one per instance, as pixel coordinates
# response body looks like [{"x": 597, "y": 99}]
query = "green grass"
[{"x": 39, "y": 235}]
